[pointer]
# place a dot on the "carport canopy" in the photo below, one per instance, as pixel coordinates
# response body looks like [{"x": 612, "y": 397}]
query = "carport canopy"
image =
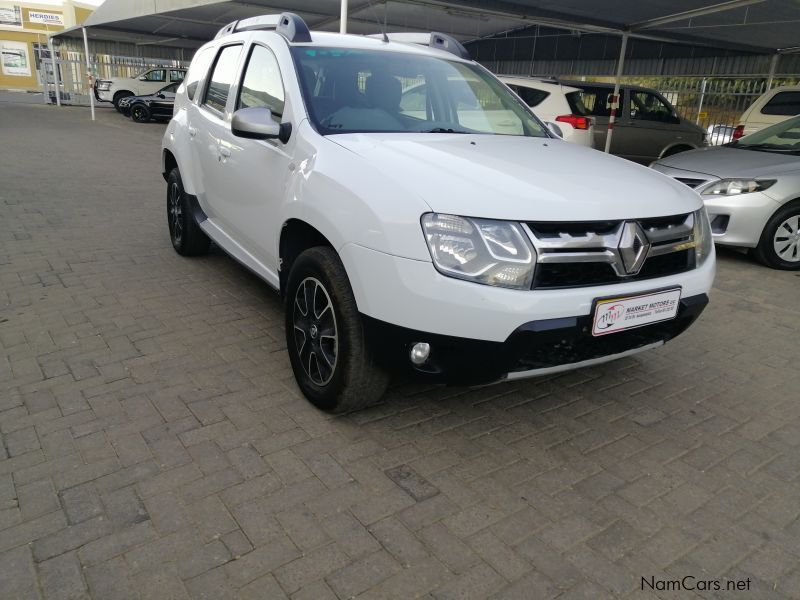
[{"x": 760, "y": 26}]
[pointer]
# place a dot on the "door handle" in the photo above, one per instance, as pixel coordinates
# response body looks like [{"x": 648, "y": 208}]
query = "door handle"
[
  {"x": 224, "y": 152},
  {"x": 192, "y": 131}
]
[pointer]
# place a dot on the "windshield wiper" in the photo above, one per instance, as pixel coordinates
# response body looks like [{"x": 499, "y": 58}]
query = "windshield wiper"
[{"x": 444, "y": 130}]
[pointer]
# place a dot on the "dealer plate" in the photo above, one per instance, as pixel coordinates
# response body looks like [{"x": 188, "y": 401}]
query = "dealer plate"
[{"x": 618, "y": 314}]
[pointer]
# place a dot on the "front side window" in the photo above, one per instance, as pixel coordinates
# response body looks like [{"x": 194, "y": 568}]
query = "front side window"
[
  {"x": 348, "y": 90},
  {"x": 262, "y": 85},
  {"x": 785, "y": 104},
  {"x": 222, "y": 77},
  {"x": 649, "y": 107},
  {"x": 198, "y": 70},
  {"x": 170, "y": 89},
  {"x": 176, "y": 75},
  {"x": 155, "y": 75}
]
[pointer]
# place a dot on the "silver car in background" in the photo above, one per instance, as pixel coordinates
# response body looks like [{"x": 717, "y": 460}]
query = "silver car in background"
[{"x": 751, "y": 189}]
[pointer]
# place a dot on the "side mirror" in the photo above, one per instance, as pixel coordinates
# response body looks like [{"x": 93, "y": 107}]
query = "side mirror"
[
  {"x": 143, "y": 78},
  {"x": 162, "y": 96},
  {"x": 555, "y": 129},
  {"x": 257, "y": 124}
]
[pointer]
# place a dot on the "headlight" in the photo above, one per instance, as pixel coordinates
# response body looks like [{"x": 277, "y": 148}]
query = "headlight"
[
  {"x": 103, "y": 86},
  {"x": 494, "y": 253},
  {"x": 702, "y": 235},
  {"x": 734, "y": 187}
]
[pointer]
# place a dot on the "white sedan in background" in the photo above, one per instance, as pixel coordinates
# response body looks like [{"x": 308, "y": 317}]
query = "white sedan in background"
[{"x": 556, "y": 104}]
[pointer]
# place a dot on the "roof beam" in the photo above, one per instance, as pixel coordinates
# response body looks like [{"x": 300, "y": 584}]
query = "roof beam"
[
  {"x": 690, "y": 14},
  {"x": 516, "y": 12}
]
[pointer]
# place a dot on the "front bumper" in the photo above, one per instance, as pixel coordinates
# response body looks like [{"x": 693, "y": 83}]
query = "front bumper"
[
  {"x": 414, "y": 295},
  {"x": 741, "y": 218},
  {"x": 535, "y": 348},
  {"x": 746, "y": 214},
  {"x": 103, "y": 95}
]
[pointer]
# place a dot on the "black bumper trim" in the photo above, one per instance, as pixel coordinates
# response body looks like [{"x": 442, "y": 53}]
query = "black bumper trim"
[{"x": 534, "y": 345}]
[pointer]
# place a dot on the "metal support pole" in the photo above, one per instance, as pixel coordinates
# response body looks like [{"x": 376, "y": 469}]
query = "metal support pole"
[
  {"x": 773, "y": 65},
  {"x": 615, "y": 104},
  {"x": 88, "y": 71},
  {"x": 343, "y": 18},
  {"x": 56, "y": 83},
  {"x": 702, "y": 98}
]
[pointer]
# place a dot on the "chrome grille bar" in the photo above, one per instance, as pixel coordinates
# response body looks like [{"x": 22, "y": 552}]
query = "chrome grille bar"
[{"x": 592, "y": 247}]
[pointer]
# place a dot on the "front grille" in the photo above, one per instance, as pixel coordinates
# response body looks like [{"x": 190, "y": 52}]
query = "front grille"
[
  {"x": 692, "y": 183},
  {"x": 579, "y": 254},
  {"x": 555, "y": 230},
  {"x": 571, "y": 275}
]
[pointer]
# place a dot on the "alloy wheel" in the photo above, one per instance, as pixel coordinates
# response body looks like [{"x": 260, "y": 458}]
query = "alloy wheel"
[
  {"x": 315, "y": 333},
  {"x": 175, "y": 213},
  {"x": 786, "y": 242}
]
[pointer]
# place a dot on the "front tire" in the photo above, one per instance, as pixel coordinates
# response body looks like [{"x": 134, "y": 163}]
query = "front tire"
[
  {"x": 779, "y": 246},
  {"x": 187, "y": 237},
  {"x": 328, "y": 349},
  {"x": 119, "y": 96},
  {"x": 140, "y": 113}
]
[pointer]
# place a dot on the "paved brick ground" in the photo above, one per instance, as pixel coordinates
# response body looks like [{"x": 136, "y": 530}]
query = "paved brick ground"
[{"x": 155, "y": 445}]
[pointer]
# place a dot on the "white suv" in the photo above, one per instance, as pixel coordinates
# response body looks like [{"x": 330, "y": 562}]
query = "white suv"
[
  {"x": 560, "y": 106},
  {"x": 414, "y": 242},
  {"x": 144, "y": 84}
]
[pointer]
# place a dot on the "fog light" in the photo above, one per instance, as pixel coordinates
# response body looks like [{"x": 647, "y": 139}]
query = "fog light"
[{"x": 420, "y": 353}]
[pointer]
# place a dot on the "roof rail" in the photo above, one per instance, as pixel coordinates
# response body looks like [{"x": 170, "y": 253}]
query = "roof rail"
[
  {"x": 287, "y": 24},
  {"x": 440, "y": 41}
]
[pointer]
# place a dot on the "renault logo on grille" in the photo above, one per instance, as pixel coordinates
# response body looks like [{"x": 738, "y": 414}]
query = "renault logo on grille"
[{"x": 633, "y": 247}]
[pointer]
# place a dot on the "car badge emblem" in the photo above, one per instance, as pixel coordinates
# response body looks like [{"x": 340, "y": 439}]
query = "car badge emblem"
[{"x": 633, "y": 247}]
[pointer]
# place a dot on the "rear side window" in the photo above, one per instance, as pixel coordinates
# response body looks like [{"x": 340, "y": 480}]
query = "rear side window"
[
  {"x": 785, "y": 104},
  {"x": 262, "y": 85},
  {"x": 198, "y": 70},
  {"x": 176, "y": 75},
  {"x": 597, "y": 101},
  {"x": 222, "y": 77},
  {"x": 531, "y": 96},
  {"x": 576, "y": 105}
]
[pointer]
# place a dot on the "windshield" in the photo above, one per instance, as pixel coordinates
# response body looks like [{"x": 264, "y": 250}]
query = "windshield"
[
  {"x": 369, "y": 91},
  {"x": 782, "y": 137}
]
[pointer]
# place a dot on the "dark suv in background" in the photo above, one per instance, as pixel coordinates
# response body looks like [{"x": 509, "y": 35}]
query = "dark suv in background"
[{"x": 647, "y": 126}]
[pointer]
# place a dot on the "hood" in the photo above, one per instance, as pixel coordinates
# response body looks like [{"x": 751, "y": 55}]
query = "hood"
[
  {"x": 726, "y": 162},
  {"x": 519, "y": 178}
]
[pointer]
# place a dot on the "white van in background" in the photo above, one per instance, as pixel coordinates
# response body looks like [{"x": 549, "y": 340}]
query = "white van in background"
[{"x": 772, "y": 107}]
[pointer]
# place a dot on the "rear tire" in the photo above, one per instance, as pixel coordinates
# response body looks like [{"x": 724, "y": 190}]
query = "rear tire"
[
  {"x": 140, "y": 113},
  {"x": 187, "y": 237},
  {"x": 328, "y": 349},
  {"x": 779, "y": 246}
]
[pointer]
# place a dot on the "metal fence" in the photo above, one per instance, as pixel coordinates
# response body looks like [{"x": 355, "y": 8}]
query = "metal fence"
[{"x": 75, "y": 84}]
